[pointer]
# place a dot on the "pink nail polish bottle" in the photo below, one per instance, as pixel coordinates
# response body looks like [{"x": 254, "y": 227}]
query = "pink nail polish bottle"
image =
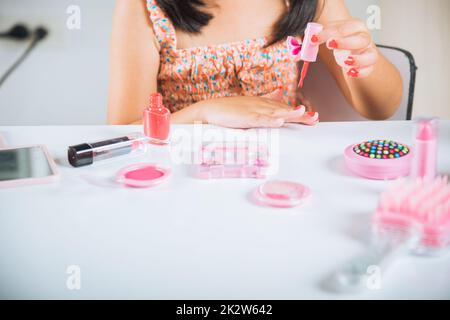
[
  {"x": 156, "y": 120},
  {"x": 310, "y": 50}
]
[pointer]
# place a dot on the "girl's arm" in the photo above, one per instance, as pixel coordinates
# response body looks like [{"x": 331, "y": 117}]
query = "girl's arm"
[
  {"x": 371, "y": 84},
  {"x": 134, "y": 66},
  {"x": 134, "y": 63}
]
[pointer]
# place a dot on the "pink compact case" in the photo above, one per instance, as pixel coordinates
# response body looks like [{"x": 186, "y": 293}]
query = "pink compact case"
[
  {"x": 281, "y": 194},
  {"x": 379, "y": 159},
  {"x": 142, "y": 175},
  {"x": 233, "y": 160}
]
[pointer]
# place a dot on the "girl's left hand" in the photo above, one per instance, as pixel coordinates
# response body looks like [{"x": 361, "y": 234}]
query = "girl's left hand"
[{"x": 352, "y": 45}]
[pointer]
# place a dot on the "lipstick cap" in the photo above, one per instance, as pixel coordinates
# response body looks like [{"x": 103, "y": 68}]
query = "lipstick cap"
[{"x": 80, "y": 155}]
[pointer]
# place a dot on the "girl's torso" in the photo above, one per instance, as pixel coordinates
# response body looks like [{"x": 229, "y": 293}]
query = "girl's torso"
[{"x": 217, "y": 63}]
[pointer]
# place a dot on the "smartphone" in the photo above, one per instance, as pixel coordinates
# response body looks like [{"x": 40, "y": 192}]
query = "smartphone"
[{"x": 26, "y": 166}]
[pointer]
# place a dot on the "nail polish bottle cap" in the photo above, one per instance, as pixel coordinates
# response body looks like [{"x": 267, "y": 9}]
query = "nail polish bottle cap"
[
  {"x": 156, "y": 101},
  {"x": 310, "y": 50}
]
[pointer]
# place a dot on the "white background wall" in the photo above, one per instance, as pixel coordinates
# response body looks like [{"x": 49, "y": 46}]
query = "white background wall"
[
  {"x": 422, "y": 27},
  {"x": 65, "y": 81}
]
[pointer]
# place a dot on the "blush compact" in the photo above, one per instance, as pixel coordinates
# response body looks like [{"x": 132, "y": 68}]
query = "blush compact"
[
  {"x": 281, "y": 194},
  {"x": 379, "y": 159},
  {"x": 142, "y": 175}
]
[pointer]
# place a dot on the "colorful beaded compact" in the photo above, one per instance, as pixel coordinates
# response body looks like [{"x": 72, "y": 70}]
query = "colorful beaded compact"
[
  {"x": 381, "y": 149},
  {"x": 379, "y": 159}
]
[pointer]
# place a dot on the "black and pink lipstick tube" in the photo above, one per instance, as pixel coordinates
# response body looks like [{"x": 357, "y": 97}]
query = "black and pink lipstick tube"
[{"x": 87, "y": 153}]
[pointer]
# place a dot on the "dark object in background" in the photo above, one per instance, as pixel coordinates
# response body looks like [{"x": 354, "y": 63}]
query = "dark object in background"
[
  {"x": 20, "y": 32},
  {"x": 17, "y": 32}
]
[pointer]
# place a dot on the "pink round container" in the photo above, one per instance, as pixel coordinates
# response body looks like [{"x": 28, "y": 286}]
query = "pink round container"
[
  {"x": 142, "y": 175},
  {"x": 379, "y": 159},
  {"x": 281, "y": 194}
]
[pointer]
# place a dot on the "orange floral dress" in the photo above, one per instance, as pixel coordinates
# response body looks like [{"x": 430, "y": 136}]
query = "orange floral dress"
[{"x": 246, "y": 68}]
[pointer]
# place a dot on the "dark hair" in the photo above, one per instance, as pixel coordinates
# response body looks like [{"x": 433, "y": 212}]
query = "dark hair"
[{"x": 186, "y": 15}]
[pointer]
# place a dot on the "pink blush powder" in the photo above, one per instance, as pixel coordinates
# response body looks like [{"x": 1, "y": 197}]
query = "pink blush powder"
[{"x": 142, "y": 175}]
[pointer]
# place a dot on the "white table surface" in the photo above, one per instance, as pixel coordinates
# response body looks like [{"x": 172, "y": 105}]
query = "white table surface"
[{"x": 194, "y": 239}]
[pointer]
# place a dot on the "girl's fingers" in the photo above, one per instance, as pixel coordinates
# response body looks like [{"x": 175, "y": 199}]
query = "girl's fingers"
[
  {"x": 357, "y": 41},
  {"x": 352, "y": 46},
  {"x": 258, "y": 120},
  {"x": 285, "y": 112},
  {"x": 309, "y": 118},
  {"x": 273, "y": 113},
  {"x": 360, "y": 73},
  {"x": 340, "y": 29},
  {"x": 274, "y": 104},
  {"x": 347, "y": 59}
]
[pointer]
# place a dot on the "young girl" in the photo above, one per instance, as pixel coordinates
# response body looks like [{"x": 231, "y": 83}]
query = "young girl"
[{"x": 226, "y": 62}]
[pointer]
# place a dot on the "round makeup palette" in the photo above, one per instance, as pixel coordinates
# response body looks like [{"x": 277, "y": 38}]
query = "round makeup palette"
[
  {"x": 379, "y": 159},
  {"x": 381, "y": 149}
]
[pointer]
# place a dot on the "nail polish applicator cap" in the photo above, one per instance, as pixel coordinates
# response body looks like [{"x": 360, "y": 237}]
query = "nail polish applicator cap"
[{"x": 310, "y": 50}]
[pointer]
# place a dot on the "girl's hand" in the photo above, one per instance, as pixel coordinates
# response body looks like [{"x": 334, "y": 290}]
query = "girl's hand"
[
  {"x": 353, "y": 47},
  {"x": 252, "y": 112}
]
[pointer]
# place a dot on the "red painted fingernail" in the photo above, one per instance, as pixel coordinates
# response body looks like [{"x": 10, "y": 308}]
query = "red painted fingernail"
[
  {"x": 314, "y": 39},
  {"x": 310, "y": 114},
  {"x": 350, "y": 61},
  {"x": 333, "y": 44},
  {"x": 353, "y": 73},
  {"x": 313, "y": 123}
]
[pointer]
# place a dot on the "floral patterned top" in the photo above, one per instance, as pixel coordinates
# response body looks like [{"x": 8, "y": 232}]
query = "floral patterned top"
[{"x": 246, "y": 68}]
